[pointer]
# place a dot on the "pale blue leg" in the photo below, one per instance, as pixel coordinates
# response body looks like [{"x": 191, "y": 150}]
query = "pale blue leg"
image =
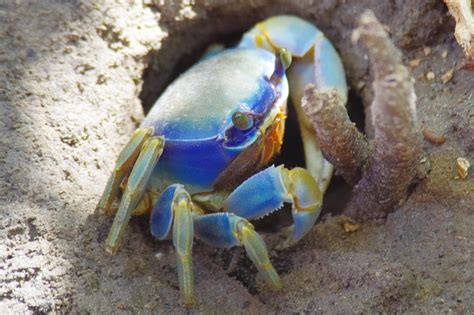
[
  {"x": 227, "y": 230},
  {"x": 123, "y": 166},
  {"x": 150, "y": 152},
  {"x": 174, "y": 208},
  {"x": 266, "y": 192}
]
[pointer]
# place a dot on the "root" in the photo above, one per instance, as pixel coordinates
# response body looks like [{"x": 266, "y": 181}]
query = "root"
[
  {"x": 341, "y": 143},
  {"x": 383, "y": 170}
]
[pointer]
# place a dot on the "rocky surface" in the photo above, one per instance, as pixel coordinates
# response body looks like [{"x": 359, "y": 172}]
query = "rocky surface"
[{"x": 73, "y": 78}]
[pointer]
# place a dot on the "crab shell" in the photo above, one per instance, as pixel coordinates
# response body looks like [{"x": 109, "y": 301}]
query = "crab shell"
[{"x": 203, "y": 150}]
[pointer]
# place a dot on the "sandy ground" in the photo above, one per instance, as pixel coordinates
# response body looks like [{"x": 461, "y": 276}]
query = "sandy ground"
[{"x": 73, "y": 78}]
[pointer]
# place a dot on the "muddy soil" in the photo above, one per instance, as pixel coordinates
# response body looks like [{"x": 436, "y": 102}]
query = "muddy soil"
[{"x": 75, "y": 79}]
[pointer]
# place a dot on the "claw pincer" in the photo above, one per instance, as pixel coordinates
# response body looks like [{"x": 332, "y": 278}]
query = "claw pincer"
[
  {"x": 195, "y": 163},
  {"x": 276, "y": 185}
]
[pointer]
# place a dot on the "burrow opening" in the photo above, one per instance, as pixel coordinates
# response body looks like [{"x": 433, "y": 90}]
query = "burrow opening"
[{"x": 183, "y": 48}]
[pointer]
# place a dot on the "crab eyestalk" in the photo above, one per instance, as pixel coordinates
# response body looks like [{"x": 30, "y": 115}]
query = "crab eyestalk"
[{"x": 285, "y": 58}]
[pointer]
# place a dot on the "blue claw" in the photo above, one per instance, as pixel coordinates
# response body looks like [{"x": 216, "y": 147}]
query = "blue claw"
[
  {"x": 303, "y": 222},
  {"x": 307, "y": 201},
  {"x": 266, "y": 191},
  {"x": 259, "y": 195}
]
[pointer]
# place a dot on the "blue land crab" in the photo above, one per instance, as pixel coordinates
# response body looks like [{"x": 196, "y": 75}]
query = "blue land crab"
[{"x": 196, "y": 161}]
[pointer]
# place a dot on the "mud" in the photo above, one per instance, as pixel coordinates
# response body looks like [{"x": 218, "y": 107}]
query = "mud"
[{"x": 75, "y": 78}]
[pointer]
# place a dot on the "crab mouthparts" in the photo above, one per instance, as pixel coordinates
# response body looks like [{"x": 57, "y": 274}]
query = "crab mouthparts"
[{"x": 273, "y": 138}]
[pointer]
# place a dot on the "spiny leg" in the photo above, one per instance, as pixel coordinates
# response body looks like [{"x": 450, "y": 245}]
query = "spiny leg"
[
  {"x": 123, "y": 166},
  {"x": 136, "y": 184},
  {"x": 226, "y": 230},
  {"x": 266, "y": 191},
  {"x": 174, "y": 208}
]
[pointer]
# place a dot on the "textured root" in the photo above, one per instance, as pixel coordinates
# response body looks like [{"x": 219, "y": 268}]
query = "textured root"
[
  {"x": 463, "y": 14},
  {"x": 341, "y": 143},
  {"x": 397, "y": 144},
  {"x": 383, "y": 173}
]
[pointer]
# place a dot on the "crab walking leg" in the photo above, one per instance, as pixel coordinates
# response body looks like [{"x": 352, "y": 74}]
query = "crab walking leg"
[
  {"x": 135, "y": 188},
  {"x": 315, "y": 61},
  {"x": 258, "y": 253},
  {"x": 175, "y": 208},
  {"x": 183, "y": 242},
  {"x": 124, "y": 164},
  {"x": 276, "y": 185},
  {"x": 226, "y": 230}
]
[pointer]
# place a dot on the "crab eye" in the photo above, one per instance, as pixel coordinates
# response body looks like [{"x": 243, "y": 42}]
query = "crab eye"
[
  {"x": 285, "y": 57},
  {"x": 242, "y": 121}
]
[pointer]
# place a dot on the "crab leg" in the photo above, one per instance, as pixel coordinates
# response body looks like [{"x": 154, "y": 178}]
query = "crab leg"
[
  {"x": 227, "y": 230},
  {"x": 276, "y": 185},
  {"x": 315, "y": 61},
  {"x": 175, "y": 208},
  {"x": 135, "y": 188},
  {"x": 124, "y": 164}
]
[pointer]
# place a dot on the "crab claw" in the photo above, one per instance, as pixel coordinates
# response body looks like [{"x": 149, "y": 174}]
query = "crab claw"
[
  {"x": 307, "y": 201},
  {"x": 276, "y": 185}
]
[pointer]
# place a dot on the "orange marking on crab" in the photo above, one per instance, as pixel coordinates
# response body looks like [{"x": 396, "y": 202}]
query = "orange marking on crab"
[{"x": 273, "y": 139}]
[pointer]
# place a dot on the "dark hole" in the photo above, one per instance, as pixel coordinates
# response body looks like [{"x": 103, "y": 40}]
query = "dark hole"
[
  {"x": 355, "y": 109},
  {"x": 292, "y": 153}
]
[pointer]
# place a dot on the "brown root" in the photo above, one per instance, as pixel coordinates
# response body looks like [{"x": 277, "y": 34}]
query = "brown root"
[
  {"x": 463, "y": 14},
  {"x": 388, "y": 168},
  {"x": 341, "y": 143}
]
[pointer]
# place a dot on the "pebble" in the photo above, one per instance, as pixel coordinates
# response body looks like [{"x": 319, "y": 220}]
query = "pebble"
[
  {"x": 444, "y": 54},
  {"x": 462, "y": 167},
  {"x": 426, "y": 51},
  {"x": 430, "y": 75},
  {"x": 447, "y": 76},
  {"x": 415, "y": 62}
]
